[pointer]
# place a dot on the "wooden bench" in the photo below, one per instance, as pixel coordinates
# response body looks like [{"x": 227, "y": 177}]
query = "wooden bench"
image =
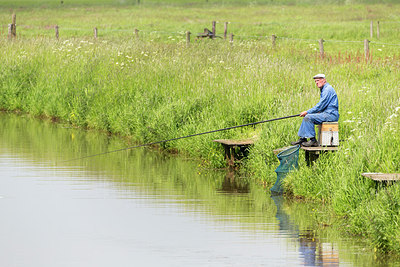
[
  {"x": 382, "y": 177},
  {"x": 235, "y": 150}
]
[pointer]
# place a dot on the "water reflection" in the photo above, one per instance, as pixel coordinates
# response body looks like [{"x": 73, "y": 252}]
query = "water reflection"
[
  {"x": 312, "y": 250},
  {"x": 233, "y": 184}
]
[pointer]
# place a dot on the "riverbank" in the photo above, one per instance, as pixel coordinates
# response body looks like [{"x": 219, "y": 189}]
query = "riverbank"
[{"x": 156, "y": 90}]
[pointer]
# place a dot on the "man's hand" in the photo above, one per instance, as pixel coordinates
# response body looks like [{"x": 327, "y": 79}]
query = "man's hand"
[{"x": 304, "y": 113}]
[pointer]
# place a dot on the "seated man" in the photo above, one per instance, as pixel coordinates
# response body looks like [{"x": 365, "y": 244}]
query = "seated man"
[{"x": 327, "y": 109}]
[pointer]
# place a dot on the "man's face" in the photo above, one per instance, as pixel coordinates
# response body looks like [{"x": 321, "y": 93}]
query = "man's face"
[{"x": 320, "y": 82}]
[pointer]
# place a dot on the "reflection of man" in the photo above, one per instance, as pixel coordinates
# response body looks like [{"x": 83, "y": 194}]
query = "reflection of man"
[
  {"x": 308, "y": 242},
  {"x": 327, "y": 109},
  {"x": 308, "y": 248}
]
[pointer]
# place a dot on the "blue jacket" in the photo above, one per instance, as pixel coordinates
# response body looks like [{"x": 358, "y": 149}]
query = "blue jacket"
[{"x": 328, "y": 102}]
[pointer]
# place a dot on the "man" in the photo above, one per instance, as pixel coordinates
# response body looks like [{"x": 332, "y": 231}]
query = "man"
[{"x": 327, "y": 109}]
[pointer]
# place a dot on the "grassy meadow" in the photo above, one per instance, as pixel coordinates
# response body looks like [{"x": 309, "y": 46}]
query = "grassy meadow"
[{"x": 159, "y": 88}]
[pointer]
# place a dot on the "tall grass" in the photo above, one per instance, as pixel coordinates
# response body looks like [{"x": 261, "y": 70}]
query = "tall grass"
[{"x": 158, "y": 88}]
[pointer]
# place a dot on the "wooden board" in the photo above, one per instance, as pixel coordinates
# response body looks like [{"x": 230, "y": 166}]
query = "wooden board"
[
  {"x": 320, "y": 148},
  {"x": 377, "y": 176},
  {"x": 229, "y": 142}
]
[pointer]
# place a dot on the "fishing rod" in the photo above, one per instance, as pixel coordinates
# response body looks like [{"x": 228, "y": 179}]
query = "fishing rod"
[{"x": 182, "y": 137}]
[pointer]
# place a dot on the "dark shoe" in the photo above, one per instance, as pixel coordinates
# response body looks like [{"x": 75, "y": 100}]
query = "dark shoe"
[
  {"x": 310, "y": 143},
  {"x": 299, "y": 142}
]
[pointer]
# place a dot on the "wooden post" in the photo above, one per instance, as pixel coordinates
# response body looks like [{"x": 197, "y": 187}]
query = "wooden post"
[
  {"x": 188, "y": 38},
  {"x": 56, "y": 29},
  {"x": 273, "y": 39},
  {"x": 95, "y": 32},
  {"x": 377, "y": 30},
  {"x": 371, "y": 30},
  {"x": 225, "y": 29},
  {"x": 213, "y": 29},
  {"x": 10, "y": 30},
  {"x": 14, "y": 22},
  {"x": 366, "y": 49},
  {"x": 137, "y": 34},
  {"x": 231, "y": 38},
  {"x": 321, "y": 48}
]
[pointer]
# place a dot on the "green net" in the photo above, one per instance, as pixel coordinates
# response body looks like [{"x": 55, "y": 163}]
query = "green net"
[{"x": 289, "y": 160}]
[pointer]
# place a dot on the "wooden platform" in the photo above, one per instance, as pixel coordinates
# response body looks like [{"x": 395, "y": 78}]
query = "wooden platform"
[
  {"x": 312, "y": 153},
  {"x": 320, "y": 148},
  {"x": 381, "y": 177},
  {"x": 235, "y": 149},
  {"x": 229, "y": 142}
]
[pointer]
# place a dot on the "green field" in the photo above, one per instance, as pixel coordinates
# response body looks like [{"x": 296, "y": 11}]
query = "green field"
[{"x": 158, "y": 87}]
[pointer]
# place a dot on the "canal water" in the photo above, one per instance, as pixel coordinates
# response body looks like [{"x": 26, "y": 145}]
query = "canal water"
[{"x": 145, "y": 208}]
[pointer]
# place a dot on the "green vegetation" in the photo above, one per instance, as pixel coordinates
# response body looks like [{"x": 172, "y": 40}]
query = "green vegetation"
[{"x": 158, "y": 88}]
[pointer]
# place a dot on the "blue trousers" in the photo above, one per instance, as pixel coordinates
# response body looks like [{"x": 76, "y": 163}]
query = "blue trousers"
[{"x": 307, "y": 129}]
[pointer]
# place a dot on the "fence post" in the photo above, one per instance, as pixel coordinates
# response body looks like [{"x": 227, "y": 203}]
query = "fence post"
[
  {"x": 10, "y": 30},
  {"x": 95, "y": 32},
  {"x": 366, "y": 49},
  {"x": 137, "y": 34},
  {"x": 188, "y": 38},
  {"x": 377, "y": 30},
  {"x": 225, "y": 29},
  {"x": 56, "y": 30},
  {"x": 371, "y": 30},
  {"x": 231, "y": 38},
  {"x": 273, "y": 39},
  {"x": 213, "y": 29},
  {"x": 14, "y": 22},
  {"x": 321, "y": 48}
]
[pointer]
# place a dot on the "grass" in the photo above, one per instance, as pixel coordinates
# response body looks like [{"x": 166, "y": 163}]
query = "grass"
[{"x": 159, "y": 88}]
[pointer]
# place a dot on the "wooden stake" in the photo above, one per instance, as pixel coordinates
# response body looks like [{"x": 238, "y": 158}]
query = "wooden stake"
[
  {"x": 188, "y": 38},
  {"x": 137, "y": 34},
  {"x": 56, "y": 29},
  {"x": 371, "y": 30},
  {"x": 95, "y": 32},
  {"x": 273, "y": 39},
  {"x": 377, "y": 30},
  {"x": 14, "y": 22},
  {"x": 366, "y": 49},
  {"x": 10, "y": 30},
  {"x": 231, "y": 38},
  {"x": 225, "y": 29},
  {"x": 213, "y": 29},
  {"x": 321, "y": 48}
]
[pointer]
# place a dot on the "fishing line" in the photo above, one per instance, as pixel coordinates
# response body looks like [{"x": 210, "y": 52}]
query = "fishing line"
[{"x": 182, "y": 137}]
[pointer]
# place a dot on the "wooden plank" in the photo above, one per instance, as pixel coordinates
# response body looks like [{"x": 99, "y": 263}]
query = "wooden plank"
[
  {"x": 377, "y": 176},
  {"x": 320, "y": 148},
  {"x": 229, "y": 142}
]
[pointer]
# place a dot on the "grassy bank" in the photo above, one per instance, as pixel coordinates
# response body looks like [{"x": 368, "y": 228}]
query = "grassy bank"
[{"x": 158, "y": 88}]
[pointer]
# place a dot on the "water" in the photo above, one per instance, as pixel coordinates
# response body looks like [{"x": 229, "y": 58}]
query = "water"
[{"x": 144, "y": 208}]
